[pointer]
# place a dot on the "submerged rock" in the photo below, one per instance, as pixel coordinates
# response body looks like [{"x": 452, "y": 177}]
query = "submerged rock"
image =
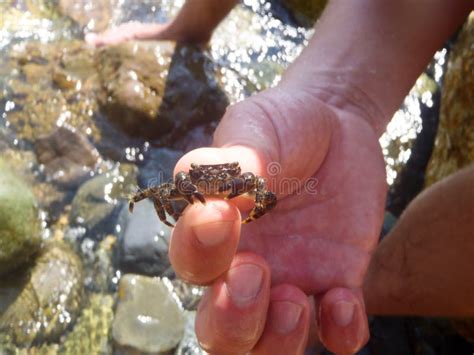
[
  {"x": 99, "y": 200},
  {"x": 50, "y": 84},
  {"x": 159, "y": 89},
  {"x": 68, "y": 155},
  {"x": 19, "y": 222},
  {"x": 91, "y": 334},
  {"x": 198, "y": 137},
  {"x": 148, "y": 318},
  {"x": 143, "y": 245},
  {"x": 190, "y": 295},
  {"x": 94, "y": 15},
  {"x": 305, "y": 12},
  {"x": 50, "y": 300},
  {"x": 189, "y": 345},
  {"x": 158, "y": 166}
]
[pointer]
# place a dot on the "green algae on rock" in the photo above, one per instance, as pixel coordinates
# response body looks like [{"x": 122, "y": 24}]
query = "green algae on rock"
[
  {"x": 91, "y": 334},
  {"x": 50, "y": 300},
  {"x": 159, "y": 89},
  {"x": 19, "y": 220}
]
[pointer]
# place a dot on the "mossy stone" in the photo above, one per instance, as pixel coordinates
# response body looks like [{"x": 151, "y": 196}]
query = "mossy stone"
[{"x": 19, "y": 223}]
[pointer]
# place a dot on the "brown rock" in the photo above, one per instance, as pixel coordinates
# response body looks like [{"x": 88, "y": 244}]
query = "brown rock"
[
  {"x": 156, "y": 90},
  {"x": 454, "y": 146},
  {"x": 66, "y": 154}
]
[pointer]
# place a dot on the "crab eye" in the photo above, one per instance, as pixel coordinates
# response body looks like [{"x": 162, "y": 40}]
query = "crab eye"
[
  {"x": 195, "y": 174},
  {"x": 180, "y": 176}
]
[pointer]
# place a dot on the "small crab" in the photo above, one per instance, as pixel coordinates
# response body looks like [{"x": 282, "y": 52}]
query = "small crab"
[{"x": 208, "y": 180}]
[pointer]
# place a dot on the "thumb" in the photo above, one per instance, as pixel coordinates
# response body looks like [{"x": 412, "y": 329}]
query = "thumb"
[{"x": 273, "y": 134}]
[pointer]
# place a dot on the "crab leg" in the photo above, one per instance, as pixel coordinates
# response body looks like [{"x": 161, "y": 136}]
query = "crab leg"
[
  {"x": 160, "y": 211},
  {"x": 141, "y": 196},
  {"x": 170, "y": 210},
  {"x": 264, "y": 201}
]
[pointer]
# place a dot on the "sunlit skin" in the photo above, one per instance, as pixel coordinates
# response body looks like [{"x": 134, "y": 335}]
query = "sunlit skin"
[
  {"x": 322, "y": 121},
  {"x": 298, "y": 239}
]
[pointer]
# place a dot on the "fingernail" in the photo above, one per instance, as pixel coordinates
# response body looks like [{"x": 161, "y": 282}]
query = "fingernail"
[
  {"x": 213, "y": 233},
  {"x": 244, "y": 283},
  {"x": 342, "y": 313},
  {"x": 284, "y": 316}
]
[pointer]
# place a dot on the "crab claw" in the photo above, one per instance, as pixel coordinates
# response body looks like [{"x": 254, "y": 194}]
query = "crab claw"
[{"x": 200, "y": 197}]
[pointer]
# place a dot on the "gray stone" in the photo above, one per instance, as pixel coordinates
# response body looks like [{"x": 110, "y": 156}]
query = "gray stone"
[
  {"x": 19, "y": 222},
  {"x": 190, "y": 295},
  {"x": 99, "y": 200},
  {"x": 158, "y": 166},
  {"x": 198, "y": 137},
  {"x": 143, "y": 241},
  {"x": 148, "y": 317},
  {"x": 189, "y": 345}
]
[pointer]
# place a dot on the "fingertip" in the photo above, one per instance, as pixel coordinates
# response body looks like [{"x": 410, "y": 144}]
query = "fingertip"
[
  {"x": 204, "y": 241},
  {"x": 232, "y": 316},
  {"x": 287, "y": 325},
  {"x": 248, "y": 158},
  {"x": 342, "y": 321},
  {"x": 92, "y": 39}
]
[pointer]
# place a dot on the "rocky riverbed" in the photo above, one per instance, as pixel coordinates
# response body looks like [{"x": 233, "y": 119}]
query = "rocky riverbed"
[{"x": 81, "y": 129}]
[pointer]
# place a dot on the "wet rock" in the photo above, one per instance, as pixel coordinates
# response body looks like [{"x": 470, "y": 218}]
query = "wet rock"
[
  {"x": 67, "y": 155},
  {"x": 158, "y": 166},
  {"x": 157, "y": 89},
  {"x": 19, "y": 222},
  {"x": 148, "y": 318},
  {"x": 198, "y": 137},
  {"x": 99, "y": 200},
  {"x": 50, "y": 300},
  {"x": 189, "y": 345},
  {"x": 389, "y": 221},
  {"x": 97, "y": 259},
  {"x": 388, "y": 336},
  {"x": 92, "y": 331},
  {"x": 305, "y": 12},
  {"x": 454, "y": 145},
  {"x": 51, "y": 84},
  {"x": 143, "y": 244},
  {"x": 51, "y": 199},
  {"x": 465, "y": 327},
  {"x": 93, "y": 15},
  {"x": 190, "y": 295},
  {"x": 103, "y": 270}
]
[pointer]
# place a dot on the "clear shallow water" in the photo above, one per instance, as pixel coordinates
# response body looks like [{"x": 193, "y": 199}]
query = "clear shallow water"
[{"x": 250, "y": 62}]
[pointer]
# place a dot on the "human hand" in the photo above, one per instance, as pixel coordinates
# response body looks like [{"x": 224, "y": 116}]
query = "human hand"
[
  {"x": 317, "y": 241},
  {"x": 131, "y": 31}
]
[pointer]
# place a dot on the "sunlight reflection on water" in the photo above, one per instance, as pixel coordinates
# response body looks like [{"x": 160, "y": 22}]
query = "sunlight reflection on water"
[{"x": 252, "y": 61}]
